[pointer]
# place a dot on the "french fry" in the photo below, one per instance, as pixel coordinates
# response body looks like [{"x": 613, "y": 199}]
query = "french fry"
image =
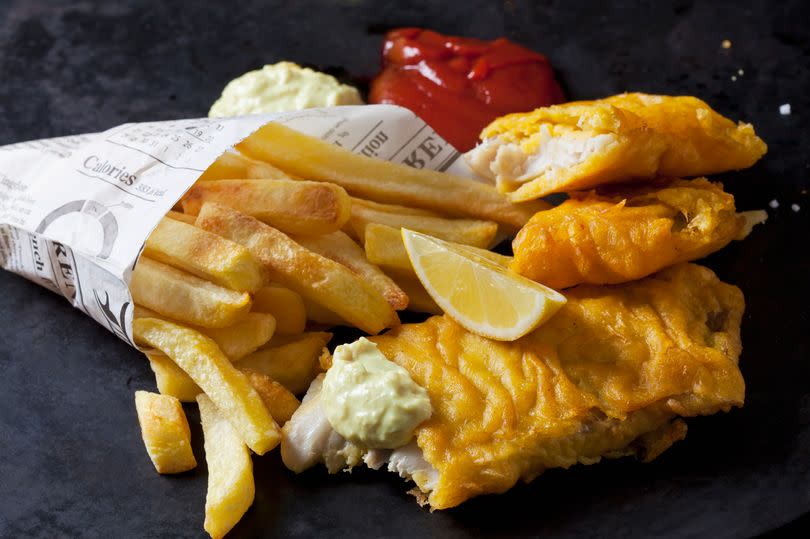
[
  {"x": 205, "y": 363},
  {"x": 321, "y": 315},
  {"x": 396, "y": 209},
  {"x": 466, "y": 231},
  {"x": 383, "y": 181},
  {"x": 231, "y": 165},
  {"x": 165, "y": 432},
  {"x": 205, "y": 255},
  {"x": 285, "y": 305},
  {"x": 420, "y": 300},
  {"x": 183, "y": 217},
  {"x": 230, "y": 471},
  {"x": 281, "y": 403},
  {"x": 184, "y": 297},
  {"x": 313, "y": 276},
  {"x": 342, "y": 249},
  {"x": 384, "y": 248},
  {"x": 245, "y": 336},
  {"x": 172, "y": 380},
  {"x": 293, "y": 363},
  {"x": 292, "y": 206}
]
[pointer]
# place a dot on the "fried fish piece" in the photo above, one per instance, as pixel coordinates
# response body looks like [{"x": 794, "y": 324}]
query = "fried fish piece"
[
  {"x": 618, "y": 235},
  {"x": 583, "y": 144},
  {"x": 610, "y": 375}
]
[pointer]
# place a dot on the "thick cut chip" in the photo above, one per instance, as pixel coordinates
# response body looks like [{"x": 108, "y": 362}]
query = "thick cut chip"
[
  {"x": 419, "y": 300},
  {"x": 245, "y": 336},
  {"x": 281, "y": 403},
  {"x": 294, "y": 207},
  {"x": 342, "y": 249},
  {"x": 396, "y": 209},
  {"x": 250, "y": 332},
  {"x": 383, "y": 181},
  {"x": 625, "y": 233},
  {"x": 584, "y": 144},
  {"x": 205, "y": 255},
  {"x": 180, "y": 216},
  {"x": 233, "y": 165},
  {"x": 467, "y": 231},
  {"x": 316, "y": 277},
  {"x": 321, "y": 315},
  {"x": 230, "y": 471},
  {"x": 292, "y": 362},
  {"x": 184, "y": 297},
  {"x": 165, "y": 432},
  {"x": 205, "y": 363},
  {"x": 171, "y": 379},
  {"x": 285, "y": 305},
  {"x": 384, "y": 248}
]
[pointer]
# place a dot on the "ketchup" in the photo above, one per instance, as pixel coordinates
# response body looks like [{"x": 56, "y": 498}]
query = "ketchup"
[{"x": 459, "y": 85}]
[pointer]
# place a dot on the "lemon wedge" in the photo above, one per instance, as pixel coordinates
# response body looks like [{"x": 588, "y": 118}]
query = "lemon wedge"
[{"x": 477, "y": 292}]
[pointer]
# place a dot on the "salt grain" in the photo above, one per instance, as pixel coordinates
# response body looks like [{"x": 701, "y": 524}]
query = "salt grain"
[
  {"x": 774, "y": 204},
  {"x": 784, "y": 110},
  {"x": 795, "y": 207},
  {"x": 740, "y": 72},
  {"x": 734, "y": 77}
]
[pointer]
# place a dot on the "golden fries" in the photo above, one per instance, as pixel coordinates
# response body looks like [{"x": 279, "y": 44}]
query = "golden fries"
[
  {"x": 281, "y": 403},
  {"x": 205, "y": 255},
  {"x": 294, "y": 207},
  {"x": 236, "y": 341},
  {"x": 384, "y": 248},
  {"x": 184, "y": 217},
  {"x": 184, "y": 297},
  {"x": 234, "y": 165},
  {"x": 293, "y": 362},
  {"x": 420, "y": 300},
  {"x": 322, "y": 280},
  {"x": 170, "y": 379},
  {"x": 230, "y": 471},
  {"x": 165, "y": 432},
  {"x": 342, "y": 249},
  {"x": 466, "y": 231},
  {"x": 321, "y": 315},
  {"x": 392, "y": 208},
  {"x": 205, "y": 363},
  {"x": 383, "y": 181},
  {"x": 285, "y": 305},
  {"x": 245, "y": 336}
]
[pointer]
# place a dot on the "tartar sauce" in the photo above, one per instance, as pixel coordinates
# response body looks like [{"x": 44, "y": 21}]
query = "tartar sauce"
[
  {"x": 282, "y": 86},
  {"x": 371, "y": 401}
]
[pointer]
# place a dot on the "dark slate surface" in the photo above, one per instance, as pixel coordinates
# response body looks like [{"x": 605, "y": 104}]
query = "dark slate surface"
[{"x": 71, "y": 460}]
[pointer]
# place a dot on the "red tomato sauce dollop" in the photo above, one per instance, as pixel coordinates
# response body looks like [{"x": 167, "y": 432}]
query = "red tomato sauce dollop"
[{"x": 459, "y": 85}]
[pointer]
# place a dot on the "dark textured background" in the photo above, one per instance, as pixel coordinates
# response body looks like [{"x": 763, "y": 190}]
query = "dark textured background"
[{"x": 71, "y": 459}]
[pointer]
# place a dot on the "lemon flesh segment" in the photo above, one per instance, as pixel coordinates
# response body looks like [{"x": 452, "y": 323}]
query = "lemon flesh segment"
[{"x": 485, "y": 297}]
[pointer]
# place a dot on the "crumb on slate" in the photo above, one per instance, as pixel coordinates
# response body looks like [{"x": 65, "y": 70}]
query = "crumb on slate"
[{"x": 726, "y": 44}]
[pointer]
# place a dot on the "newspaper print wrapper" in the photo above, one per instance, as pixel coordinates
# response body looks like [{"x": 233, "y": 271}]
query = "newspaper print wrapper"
[{"x": 75, "y": 211}]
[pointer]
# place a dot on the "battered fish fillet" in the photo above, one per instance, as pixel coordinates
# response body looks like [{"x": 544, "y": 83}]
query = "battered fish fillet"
[
  {"x": 583, "y": 144},
  {"x": 608, "y": 376},
  {"x": 614, "y": 236}
]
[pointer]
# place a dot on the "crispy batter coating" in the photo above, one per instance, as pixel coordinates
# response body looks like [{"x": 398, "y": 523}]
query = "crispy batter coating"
[
  {"x": 607, "y": 376},
  {"x": 618, "y": 235},
  {"x": 583, "y": 144}
]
